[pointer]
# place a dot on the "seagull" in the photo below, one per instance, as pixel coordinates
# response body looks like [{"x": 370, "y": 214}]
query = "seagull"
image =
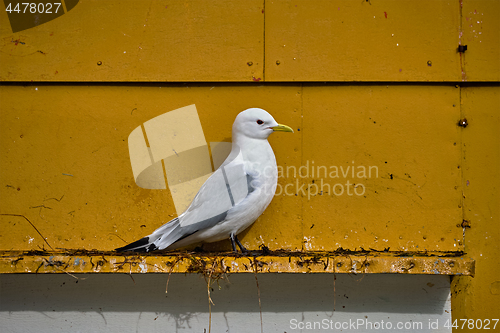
[{"x": 233, "y": 197}]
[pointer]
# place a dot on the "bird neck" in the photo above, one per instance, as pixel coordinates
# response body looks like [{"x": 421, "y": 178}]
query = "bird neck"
[
  {"x": 258, "y": 151},
  {"x": 250, "y": 146}
]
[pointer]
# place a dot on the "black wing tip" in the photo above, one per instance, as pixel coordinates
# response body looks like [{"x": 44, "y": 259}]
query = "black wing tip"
[{"x": 141, "y": 245}]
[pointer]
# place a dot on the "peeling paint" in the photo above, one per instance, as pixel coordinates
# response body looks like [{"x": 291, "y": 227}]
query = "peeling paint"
[
  {"x": 144, "y": 267},
  {"x": 281, "y": 262}
]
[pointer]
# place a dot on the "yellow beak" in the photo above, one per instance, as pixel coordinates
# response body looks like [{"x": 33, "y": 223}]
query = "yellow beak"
[{"x": 282, "y": 128}]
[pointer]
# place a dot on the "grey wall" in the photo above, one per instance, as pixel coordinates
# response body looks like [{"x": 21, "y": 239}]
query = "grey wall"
[{"x": 115, "y": 303}]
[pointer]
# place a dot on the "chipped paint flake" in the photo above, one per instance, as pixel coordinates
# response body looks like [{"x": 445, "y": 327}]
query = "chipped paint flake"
[{"x": 144, "y": 267}]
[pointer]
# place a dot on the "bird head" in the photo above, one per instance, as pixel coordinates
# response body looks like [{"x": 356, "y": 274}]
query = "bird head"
[{"x": 257, "y": 124}]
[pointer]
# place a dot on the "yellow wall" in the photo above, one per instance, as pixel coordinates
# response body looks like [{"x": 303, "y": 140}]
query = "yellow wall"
[
  {"x": 478, "y": 297},
  {"x": 74, "y": 88},
  {"x": 66, "y": 164}
]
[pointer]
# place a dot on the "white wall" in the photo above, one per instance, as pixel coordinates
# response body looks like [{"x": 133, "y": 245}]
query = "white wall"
[{"x": 114, "y": 303}]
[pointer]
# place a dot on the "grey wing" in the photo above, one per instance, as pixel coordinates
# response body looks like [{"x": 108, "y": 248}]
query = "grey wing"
[
  {"x": 224, "y": 189},
  {"x": 209, "y": 207}
]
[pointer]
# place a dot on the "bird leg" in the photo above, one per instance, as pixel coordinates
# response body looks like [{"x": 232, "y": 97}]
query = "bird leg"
[
  {"x": 231, "y": 237},
  {"x": 242, "y": 248},
  {"x": 234, "y": 241}
]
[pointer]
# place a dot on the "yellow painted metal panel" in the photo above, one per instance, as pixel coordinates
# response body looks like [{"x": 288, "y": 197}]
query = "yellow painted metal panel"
[
  {"x": 479, "y": 298},
  {"x": 66, "y": 166},
  {"x": 346, "y": 40},
  {"x": 65, "y": 162},
  {"x": 409, "y": 138},
  {"x": 481, "y": 33},
  {"x": 223, "y": 264},
  {"x": 131, "y": 40},
  {"x": 224, "y": 41}
]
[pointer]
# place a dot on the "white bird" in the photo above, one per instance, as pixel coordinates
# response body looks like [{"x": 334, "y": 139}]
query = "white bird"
[{"x": 233, "y": 197}]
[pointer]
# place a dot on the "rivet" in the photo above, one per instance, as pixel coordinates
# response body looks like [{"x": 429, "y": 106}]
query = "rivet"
[
  {"x": 249, "y": 63},
  {"x": 339, "y": 264},
  {"x": 99, "y": 63},
  {"x": 278, "y": 62},
  {"x": 429, "y": 63},
  {"x": 463, "y": 122},
  {"x": 451, "y": 264}
]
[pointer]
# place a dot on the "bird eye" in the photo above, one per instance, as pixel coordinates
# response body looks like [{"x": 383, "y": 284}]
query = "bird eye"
[{"x": 260, "y": 122}]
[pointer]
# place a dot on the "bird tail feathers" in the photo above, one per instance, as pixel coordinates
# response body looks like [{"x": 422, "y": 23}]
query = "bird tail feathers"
[{"x": 151, "y": 242}]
